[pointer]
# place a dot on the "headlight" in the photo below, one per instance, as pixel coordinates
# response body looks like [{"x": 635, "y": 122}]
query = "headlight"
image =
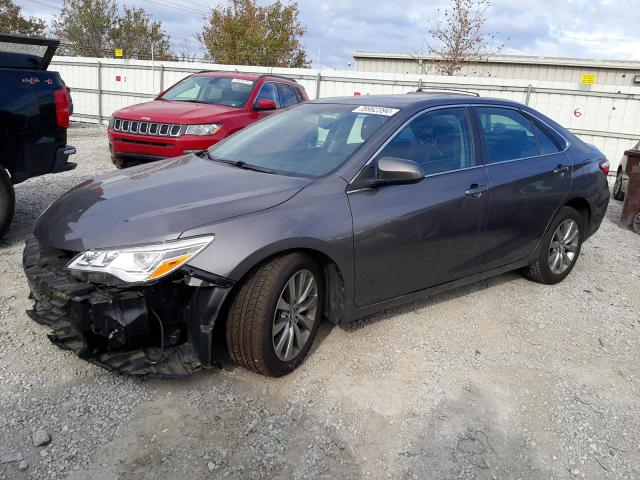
[
  {"x": 141, "y": 263},
  {"x": 111, "y": 119},
  {"x": 206, "y": 129}
]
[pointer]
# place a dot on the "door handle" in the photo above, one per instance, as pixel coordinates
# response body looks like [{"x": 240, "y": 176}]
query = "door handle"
[
  {"x": 561, "y": 169},
  {"x": 476, "y": 190}
]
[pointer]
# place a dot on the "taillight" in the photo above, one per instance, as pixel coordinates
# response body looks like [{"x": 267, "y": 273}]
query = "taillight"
[
  {"x": 604, "y": 166},
  {"x": 62, "y": 107}
]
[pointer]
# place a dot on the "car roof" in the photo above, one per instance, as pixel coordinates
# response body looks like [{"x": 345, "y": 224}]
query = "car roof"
[
  {"x": 415, "y": 99},
  {"x": 241, "y": 75}
]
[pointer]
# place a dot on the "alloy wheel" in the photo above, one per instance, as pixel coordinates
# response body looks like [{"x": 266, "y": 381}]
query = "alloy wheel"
[
  {"x": 295, "y": 315},
  {"x": 564, "y": 246}
]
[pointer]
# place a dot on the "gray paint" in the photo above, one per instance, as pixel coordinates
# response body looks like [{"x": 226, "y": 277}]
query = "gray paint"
[{"x": 389, "y": 243}]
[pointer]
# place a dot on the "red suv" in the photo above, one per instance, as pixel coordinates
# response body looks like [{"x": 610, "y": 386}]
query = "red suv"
[{"x": 196, "y": 113}]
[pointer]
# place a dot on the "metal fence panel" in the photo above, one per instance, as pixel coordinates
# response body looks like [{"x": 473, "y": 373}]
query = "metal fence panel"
[{"x": 608, "y": 117}]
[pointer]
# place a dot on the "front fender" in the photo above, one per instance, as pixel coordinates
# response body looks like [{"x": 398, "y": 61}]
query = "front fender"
[{"x": 318, "y": 219}]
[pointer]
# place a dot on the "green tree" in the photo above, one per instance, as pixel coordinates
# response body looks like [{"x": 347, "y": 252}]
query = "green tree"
[
  {"x": 94, "y": 28},
  {"x": 241, "y": 32},
  {"x": 135, "y": 32},
  {"x": 84, "y": 27},
  {"x": 12, "y": 21}
]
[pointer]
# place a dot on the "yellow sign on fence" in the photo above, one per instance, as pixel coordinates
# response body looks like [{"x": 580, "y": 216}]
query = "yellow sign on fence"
[
  {"x": 117, "y": 53},
  {"x": 588, "y": 79}
]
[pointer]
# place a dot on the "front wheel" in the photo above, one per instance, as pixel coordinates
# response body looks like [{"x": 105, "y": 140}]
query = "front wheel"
[
  {"x": 275, "y": 314},
  {"x": 559, "y": 249},
  {"x": 618, "y": 194},
  {"x": 7, "y": 201}
]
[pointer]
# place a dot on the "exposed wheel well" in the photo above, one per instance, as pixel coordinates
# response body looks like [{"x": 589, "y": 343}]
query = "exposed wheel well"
[
  {"x": 582, "y": 206},
  {"x": 334, "y": 282},
  {"x": 334, "y": 287}
]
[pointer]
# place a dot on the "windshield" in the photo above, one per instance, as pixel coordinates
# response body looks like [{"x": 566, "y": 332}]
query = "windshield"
[
  {"x": 309, "y": 140},
  {"x": 231, "y": 92}
]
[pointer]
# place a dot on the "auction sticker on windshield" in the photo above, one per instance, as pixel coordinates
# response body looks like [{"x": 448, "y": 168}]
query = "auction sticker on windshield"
[{"x": 386, "y": 111}]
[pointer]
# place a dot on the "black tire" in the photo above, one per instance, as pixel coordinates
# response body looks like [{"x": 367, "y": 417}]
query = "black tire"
[
  {"x": 618, "y": 194},
  {"x": 540, "y": 271},
  {"x": 7, "y": 201},
  {"x": 251, "y": 315}
]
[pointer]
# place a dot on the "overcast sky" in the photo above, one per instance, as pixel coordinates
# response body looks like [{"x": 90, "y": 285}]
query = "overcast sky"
[{"x": 604, "y": 29}]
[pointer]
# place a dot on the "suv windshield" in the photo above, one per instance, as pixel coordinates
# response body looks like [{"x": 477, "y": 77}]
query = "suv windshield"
[
  {"x": 231, "y": 92},
  {"x": 309, "y": 140}
]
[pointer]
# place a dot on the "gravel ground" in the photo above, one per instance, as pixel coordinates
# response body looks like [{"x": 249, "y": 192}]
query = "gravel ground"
[{"x": 504, "y": 379}]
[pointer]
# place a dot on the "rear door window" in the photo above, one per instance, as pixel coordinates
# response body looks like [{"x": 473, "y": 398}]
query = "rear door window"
[
  {"x": 287, "y": 95},
  {"x": 440, "y": 141},
  {"x": 508, "y": 134}
]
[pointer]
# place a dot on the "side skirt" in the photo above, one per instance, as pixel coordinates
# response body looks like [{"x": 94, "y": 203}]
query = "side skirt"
[{"x": 353, "y": 313}]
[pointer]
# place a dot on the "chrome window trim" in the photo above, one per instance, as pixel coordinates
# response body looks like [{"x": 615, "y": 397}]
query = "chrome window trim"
[{"x": 463, "y": 105}]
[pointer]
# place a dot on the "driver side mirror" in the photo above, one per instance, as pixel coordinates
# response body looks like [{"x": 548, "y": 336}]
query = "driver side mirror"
[
  {"x": 265, "y": 105},
  {"x": 399, "y": 170},
  {"x": 392, "y": 171}
]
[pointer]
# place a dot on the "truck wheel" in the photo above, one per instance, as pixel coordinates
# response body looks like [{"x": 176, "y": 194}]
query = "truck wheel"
[
  {"x": 559, "y": 249},
  {"x": 7, "y": 201},
  {"x": 275, "y": 314}
]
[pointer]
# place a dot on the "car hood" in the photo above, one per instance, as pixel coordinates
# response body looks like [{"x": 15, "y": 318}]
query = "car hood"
[
  {"x": 174, "y": 111},
  {"x": 158, "y": 202}
]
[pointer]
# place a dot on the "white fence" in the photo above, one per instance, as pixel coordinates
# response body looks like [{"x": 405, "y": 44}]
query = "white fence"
[{"x": 606, "y": 116}]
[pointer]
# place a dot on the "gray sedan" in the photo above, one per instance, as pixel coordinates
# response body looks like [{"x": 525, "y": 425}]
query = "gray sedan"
[{"x": 333, "y": 209}]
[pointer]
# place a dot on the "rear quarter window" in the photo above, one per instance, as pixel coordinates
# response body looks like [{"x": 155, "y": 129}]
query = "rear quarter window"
[{"x": 546, "y": 145}]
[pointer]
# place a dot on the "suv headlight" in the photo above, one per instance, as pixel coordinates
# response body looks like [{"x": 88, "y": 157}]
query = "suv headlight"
[
  {"x": 140, "y": 263},
  {"x": 205, "y": 129},
  {"x": 111, "y": 119}
]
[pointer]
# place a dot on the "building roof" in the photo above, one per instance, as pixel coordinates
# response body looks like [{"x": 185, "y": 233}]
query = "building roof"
[{"x": 515, "y": 59}]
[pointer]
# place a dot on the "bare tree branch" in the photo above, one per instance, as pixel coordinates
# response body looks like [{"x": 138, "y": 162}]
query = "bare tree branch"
[{"x": 458, "y": 38}]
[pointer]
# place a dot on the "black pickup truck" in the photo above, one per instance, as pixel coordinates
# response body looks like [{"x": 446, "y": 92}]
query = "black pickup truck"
[{"x": 35, "y": 106}]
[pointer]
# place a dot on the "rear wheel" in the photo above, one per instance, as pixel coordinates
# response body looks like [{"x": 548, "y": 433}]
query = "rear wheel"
[
  {"x": 275, "y": 314},
  {"x": 560, "y": 248},
  {"x": 7, "y": 201},
  {"x": 618, "y": 194}
]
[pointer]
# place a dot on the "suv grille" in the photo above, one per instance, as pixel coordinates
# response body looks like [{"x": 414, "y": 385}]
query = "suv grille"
[{"x": 147, "y": 128}]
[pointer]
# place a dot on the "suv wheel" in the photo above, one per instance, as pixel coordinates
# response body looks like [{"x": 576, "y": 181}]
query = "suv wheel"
[
  {"x": 618, "y": 194},
  {"x": 559, "y": 249},
  {"x": 275, "y": 314},
  {"x": 7, "y": 201}
]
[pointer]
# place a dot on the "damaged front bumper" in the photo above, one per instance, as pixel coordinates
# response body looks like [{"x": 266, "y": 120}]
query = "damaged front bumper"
[{"x": 161, "y": 329}]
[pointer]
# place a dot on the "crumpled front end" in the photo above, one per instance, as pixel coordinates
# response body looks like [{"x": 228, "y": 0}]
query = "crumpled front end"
[{"x": 161, "y": 329}]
